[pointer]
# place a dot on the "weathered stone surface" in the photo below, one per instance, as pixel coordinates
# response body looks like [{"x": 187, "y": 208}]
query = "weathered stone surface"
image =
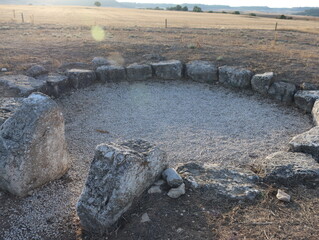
[
  {"x": 81, "y": 78},
  {"x": 261, "y": 82},
  {"x": 32, "y": 145},
  {"x": 202, "y": 71},
  {"x": 177, "y": 192},
  {"x": 168, "y": 70},
  {"x": 307, "y": 142},
  {"x": 111, "y": 73},
  {"x": 172, "y": 177},
  {"x": 231, "y": 183},
  {"x": 315, "y": 112},
  {"x": 308, "y": 86},
  {"x": 289, "y": 168},
  {"x": 118, "y": 174},
  {"x": 282, "y": 91},
  {"x": 101, "y": 61},
  {"x": 56, "y": 84},
  {"x": 235, "y": 77},
  {"x": 305, "y": 99},
  {"x": 7, "y": 108},
  {"x": 154, "y": 189},
  {"x": 137, "y": 72},
  {"x": 36, "y": 70},
  {"x": 282, "y": 196},
  {"x": 73, "y": 65},
  {"x": 20, "y": 86}
]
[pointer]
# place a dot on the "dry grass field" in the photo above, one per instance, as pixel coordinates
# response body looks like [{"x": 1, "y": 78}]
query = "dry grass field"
[{"x": 52, "y": 36}]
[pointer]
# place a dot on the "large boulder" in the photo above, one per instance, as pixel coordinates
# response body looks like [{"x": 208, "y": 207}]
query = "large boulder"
[
  {"x": 202, "y": 71},
  {"x": 315, "y": 112},
  {"x": 20, "y": 85},
  {"x": 235, "y": 77},
  {"x": 289, "y": 168},
  {"x": 168, "y": 70},
  {"x": 305, "y": 99},
  {"x": 138, "y": 72},
  {"x": 119, "y": 173},
  {"x": 230, "y": 183},
  {"x": 36, "y": 70},
  {"x": 32, "y": 144},
  {"x": 261, "y": 82},
  {"x": 81, "y": 78},
  {"x": 111, "y": 73},
  {"x": 56, "y": 84},
  {"x": 307, "y": 142},
  {"x": 282, "y": 91}
]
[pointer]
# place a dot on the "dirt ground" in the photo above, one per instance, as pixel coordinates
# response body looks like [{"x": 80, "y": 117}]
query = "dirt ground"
[{"x": 292, "y": 53}]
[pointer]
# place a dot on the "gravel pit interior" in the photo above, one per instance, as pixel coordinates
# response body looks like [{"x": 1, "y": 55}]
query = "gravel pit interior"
[{"x": 190, "y": 121}]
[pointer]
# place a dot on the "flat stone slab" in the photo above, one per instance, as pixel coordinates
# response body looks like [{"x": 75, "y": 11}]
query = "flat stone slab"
[
  {"x": 32, "y": 145},
  {"x": 20, "y": 85},
  {"x": 168, "y": 70},
  {"x": 81, "y": 78},
  {"x": 261, "y": 82},
  {"x": 289, "y": 168},
  {"x": 56, "y": 84},
  {"x": 235, "y": 77},
  {"x": 118, "y": 174},
  {"x": 305, "y": 99},
  {"x": 138, "y": 72},
  {"x": 282, "y": 91},
  {"x": 307, "y": 142},
  {"x": 230, "y": 183},
  {"x": 111, "y": 73},
  {"x": 202, "y": 71},
  {"x": 315, "y": 112}
]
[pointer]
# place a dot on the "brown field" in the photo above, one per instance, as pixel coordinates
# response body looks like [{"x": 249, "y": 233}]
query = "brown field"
[{"x": 63, "y": 34}]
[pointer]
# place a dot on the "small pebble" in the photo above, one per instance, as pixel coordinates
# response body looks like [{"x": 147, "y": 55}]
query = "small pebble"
[
  {"x": 145, "y": 218},
  {"x": 177, "y": 192},
  {"x": 4, "y": 70},
  {"x": 282, "y": 196},
  {"x": 154, "y": 189}
]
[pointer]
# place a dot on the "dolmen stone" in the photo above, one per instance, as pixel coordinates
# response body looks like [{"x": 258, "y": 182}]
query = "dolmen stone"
[
  {"x": 282, "y": 91},
  {"x": 290, "y": 168},
  {"x": 20, "y": 85},
  {"x": 56, "y": 84},
  {"x": 307, "y": 142},
  {"x": 305, "y": 99},
  {"x": 111, "y": 73},
  {"x": 138, "y": 72},
  {"x": 32, "y": 144},
  {"x": 81, "y": 78},
  {"x": 230, "y": 183},
  {"x": 261, "y": 82},
  {"x": 119, "y": 173},
  {"x": 168, "y": 70},
  {"x": 36, "y": 70},
  {"x": 235, "y": 77},
  {"x": 202, "y": 71},
  {"x": 172, "y": 178},
  {"x": 315, "y": 112}
]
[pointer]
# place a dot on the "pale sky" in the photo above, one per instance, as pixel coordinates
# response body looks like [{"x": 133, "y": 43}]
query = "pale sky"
[{"x": 269, "y": 3}]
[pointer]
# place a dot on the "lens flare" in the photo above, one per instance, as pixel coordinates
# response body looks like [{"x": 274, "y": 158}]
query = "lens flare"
[{"x": 98, "y": 33}]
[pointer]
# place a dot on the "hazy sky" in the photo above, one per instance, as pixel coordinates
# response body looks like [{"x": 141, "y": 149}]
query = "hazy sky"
[{"x": 269, "y": 3}]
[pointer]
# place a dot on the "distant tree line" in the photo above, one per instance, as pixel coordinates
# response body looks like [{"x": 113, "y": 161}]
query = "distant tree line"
[{"x": 178, "y": 8}]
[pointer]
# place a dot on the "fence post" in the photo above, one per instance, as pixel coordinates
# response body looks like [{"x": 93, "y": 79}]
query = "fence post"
[
  {"x": 165, "y": 23},
  {"x": 22, "y": 17},
  {"x": 14, "y": 13}
]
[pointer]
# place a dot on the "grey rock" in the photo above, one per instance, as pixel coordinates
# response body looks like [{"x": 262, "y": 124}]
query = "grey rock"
[
  {"x": 36, "y": 70},
  {"x": 305, "y": 99},
  {"x": 307, "y": 142},
  {"x": 101, "y": 61},
  {"x": 159, "y": 182},
  {"x": 20, "y": 86},
  {"x": 177, "y": 192},
  {"x": 230, "y": 183},
  {"x": 81, "y": 78},
  {"x": 315, "y": 112},
  {"x": 172, "y": 177},
  {"x": 154, "y": 189},
  {"x": 137, "y": 72},
  {"x": 261, "y": 82},
  {"x": 168, "y": 70},
  {"x": 282, "y": 91},
  {"x": 308, "y": 86},
  {"x": 282, "y": 196},
  {"x": 8, "y": 106},
  {"x": 235, "y": 77},
  {"x": 4, "y": 69},
  {"x": 73, "y": 65},
  {"x": 119, "y": 173},
  {"x": 290, "y": 168},
  {"x": 32, "y": 145},
  {"x": 111, "y": 73},
  {"x": 202, "y": 71},
  {"x": 56, "y": 84},
  {"x": 145, "y": 218}
]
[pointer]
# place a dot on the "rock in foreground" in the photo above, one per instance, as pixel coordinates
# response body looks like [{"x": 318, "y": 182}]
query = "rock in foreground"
[
  {"x": 118, "y": 174},
  {"x": 230, "y": 183},
  {"x": 32, "y": 145},
  {"x": 202, "y": 71},
  {"x": 235, "y": 77}
]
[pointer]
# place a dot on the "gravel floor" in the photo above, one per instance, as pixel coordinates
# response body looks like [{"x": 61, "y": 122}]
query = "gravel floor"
[{"x": 190, "y": 121}]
